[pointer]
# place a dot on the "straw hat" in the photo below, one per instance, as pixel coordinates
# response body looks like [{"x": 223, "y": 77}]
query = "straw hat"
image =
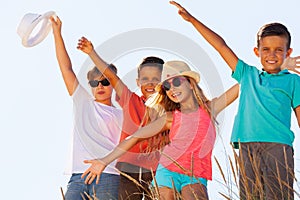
[
  {"x": 33, "y": 28},
  {"x": 175, "y": 68}
]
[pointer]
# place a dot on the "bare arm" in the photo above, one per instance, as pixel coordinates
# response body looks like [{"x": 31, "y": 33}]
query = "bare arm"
[
  {"x": 220, "y": 103},
  {"x": 87, "y": 47},
  {"x": 210, "y": 36},
  {"x": 297, "y": 113},
  {"x": 97, "y": 166},
  {"x": 63, "y": 58}
]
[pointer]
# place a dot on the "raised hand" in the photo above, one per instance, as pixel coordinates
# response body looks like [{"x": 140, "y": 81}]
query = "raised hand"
[
  {"x": 94, "y": 171},
  {"x": 182, "y": 11},
  {"x": 85, "y": 45},
  {"x": 56, "y": 24},
  {"x": 292, "y": 64}
]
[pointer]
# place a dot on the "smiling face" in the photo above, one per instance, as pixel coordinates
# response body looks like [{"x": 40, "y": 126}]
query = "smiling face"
[
  {"x": 102, "y": 93},
  {"x": 272, "y": 51},
  {"x": 149, "y": 77},
  {"x": 179, "y": 90},
  {"x": 273, "y": 46}
]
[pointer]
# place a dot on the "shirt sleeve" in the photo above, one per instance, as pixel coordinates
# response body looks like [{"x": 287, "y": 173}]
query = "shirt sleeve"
[
  {"x": 80, "y": 95},
  {"x": 239, "y": 71},
  {"x": 125, "y": 96}
]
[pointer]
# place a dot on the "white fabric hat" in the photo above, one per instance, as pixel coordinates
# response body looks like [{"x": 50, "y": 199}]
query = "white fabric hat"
[
  {"x": 175, "y": 68},
  {"x": 33, "y": 28}
]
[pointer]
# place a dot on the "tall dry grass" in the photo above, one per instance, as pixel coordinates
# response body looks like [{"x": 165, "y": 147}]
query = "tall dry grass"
[
  {"x": 257, "y": 192},
  {"x": 230, "y": 183}
]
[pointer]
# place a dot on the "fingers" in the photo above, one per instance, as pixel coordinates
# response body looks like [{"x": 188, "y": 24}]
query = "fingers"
[
  {"x": 175, "y": 4},
  {"x": 84, "y": 41},
  {"x": 292, "y": 64},
  {"x": 87, "y": 161},
  {"x": 85, "y": 173},
  {"x": 90, "y": 178},
  {"x": 181, "y": 10},
  {"x": 83, "y": 44},
  {"x": 98, "y": 179},
  {"x": 91, "y": 173},
  {"x": 297, "y": 61},
  {"x": 55, "y": 19},
  {"x": 297, "y": 58},
  {"x": 296, "y": 71}
]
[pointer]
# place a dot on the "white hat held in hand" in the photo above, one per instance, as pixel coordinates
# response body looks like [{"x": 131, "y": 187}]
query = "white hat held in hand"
[{"x": 34, "y": 28}]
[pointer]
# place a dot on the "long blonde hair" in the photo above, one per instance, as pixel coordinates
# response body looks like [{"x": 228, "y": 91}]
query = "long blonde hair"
[{"x": 160, "y": 103}]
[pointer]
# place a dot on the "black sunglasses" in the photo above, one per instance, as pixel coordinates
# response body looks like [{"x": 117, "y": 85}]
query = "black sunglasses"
[
  {"x": 176, "y": 82},
  {"x": 95, "y": 83}
]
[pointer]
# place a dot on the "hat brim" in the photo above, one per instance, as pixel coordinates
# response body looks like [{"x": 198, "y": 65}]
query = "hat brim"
[
  {"x": 38, "y": 30},
  {"x": 190, "y": 74}
]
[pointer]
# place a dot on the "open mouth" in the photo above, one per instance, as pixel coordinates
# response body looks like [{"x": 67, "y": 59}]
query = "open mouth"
[
  {"x": 176, "y": 94},
  {"x": 271, "y": 61},
  {"x": 150, "y": 90}
]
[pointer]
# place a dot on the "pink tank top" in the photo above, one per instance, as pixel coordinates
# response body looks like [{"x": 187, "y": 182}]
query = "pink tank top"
[{"x": 192, "y": 138}]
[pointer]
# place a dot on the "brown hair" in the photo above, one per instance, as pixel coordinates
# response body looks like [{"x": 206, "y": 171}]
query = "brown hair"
[
  {"x": 95, "y": 72},
  {"x": 274, "y": 29},
  {"x": 151, "y": 61}
]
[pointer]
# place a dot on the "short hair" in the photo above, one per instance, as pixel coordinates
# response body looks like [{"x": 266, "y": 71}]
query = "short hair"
[
  {"x": 274, "y": 29},
  {"x": 95, "y": 72},
  {"x": 151, "y": 61}
]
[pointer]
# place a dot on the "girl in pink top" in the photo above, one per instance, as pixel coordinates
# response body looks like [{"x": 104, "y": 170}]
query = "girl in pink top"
[{"x": 186, "y": 162}]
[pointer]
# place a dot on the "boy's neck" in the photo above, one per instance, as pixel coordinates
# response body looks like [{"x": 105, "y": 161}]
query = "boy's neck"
[{"x": 275, "y": 71}]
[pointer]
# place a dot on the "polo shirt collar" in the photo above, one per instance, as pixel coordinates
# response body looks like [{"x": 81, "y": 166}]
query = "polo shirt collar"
[{"x": 266, "y": 74}]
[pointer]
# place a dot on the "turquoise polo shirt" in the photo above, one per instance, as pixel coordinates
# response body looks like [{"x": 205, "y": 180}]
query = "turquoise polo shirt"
[{"x": 265, "y": 107}]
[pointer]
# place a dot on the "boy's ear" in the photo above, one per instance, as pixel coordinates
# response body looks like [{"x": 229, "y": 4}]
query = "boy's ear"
[
  {"x": 138, "y": 82},
  {"x": 289, "y": 52},
  {"x": 256, "y": 51}
]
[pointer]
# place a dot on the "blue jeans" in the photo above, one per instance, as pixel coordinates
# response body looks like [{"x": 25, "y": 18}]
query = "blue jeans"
[{"x": 107, "y": 189}]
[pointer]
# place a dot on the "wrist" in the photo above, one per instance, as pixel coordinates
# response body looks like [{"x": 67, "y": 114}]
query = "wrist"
[{"x": 103, "y": 161}]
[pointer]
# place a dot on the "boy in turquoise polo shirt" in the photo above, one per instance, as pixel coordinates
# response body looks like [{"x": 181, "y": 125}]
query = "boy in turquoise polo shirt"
[{"x": 262, "y": 125}]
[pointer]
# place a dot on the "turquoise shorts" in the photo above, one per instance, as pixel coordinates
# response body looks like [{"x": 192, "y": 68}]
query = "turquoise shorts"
[{"x": 164, "y": 178}]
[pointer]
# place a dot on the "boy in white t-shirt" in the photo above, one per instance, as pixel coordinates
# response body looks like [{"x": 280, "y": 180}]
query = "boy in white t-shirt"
[{"x": 97, "y": 125}]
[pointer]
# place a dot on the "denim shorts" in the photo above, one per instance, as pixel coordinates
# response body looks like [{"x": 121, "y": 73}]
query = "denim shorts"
[
  {"x": 164, "y": 178},
  {"x": 107, "y": 189}
]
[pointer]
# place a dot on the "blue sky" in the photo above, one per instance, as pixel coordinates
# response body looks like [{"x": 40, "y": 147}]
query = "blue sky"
[{"x": 36, "y": 111}]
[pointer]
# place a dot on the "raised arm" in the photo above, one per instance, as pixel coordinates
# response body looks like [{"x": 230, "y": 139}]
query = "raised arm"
[
  {"x": 87, "y": 47},
  {"x": 98, "y": 165},
  {"x": 62, "y": 57},
  {"x": 220, "y": 103},
  {"x": 210, "y": 36}
]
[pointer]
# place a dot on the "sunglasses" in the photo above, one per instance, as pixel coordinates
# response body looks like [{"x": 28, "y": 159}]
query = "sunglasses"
[
  {"x": 95, "y": 83},
  {"x": 176, "y": 82}
]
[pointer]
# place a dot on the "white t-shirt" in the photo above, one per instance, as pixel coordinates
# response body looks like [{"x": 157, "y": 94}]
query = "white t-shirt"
[{"x": 97, "y": 129}]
